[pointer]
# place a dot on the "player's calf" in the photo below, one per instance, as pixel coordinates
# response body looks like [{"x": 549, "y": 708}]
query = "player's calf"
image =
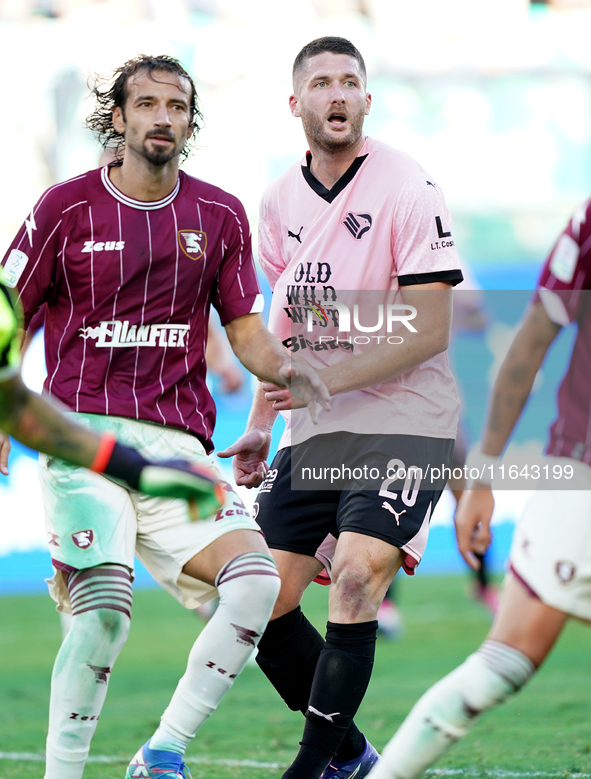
[
  {"x": 448, "y": 710},
  {"x": 248, "y": 586},
  {"x": 101, "y": 611}
]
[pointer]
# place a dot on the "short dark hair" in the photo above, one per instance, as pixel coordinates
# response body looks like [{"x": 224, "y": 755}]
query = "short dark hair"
[
  {"x": 112, "y": 93},
  {"x": 330, "y": 43}
]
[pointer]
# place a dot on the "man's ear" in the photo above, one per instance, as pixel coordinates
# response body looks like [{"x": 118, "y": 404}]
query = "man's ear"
[
  {"x": 190, "y": 130},
  {"x": 294, "y": 106},
  {"x": 118, "y": 121},
  {"x": 367, "y": 104}
]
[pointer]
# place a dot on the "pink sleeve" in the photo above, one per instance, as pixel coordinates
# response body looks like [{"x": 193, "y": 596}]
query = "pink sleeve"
[
  {"x": 423, "y": 245},
  {"x": 270, "y": 257}
]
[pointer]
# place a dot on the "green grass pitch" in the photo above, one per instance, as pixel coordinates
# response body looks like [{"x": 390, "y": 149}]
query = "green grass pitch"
[{"x": 544, "y": 731}]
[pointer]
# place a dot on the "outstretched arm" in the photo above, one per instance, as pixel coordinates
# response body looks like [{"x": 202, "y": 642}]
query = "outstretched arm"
[
  {"x": 510, "y": 393},
  {"x": 385, "y": 361},
  {"x": 40, "y": 425},
  {"x": 263, "y": 354},
  {"x": 251, "y": 450}
]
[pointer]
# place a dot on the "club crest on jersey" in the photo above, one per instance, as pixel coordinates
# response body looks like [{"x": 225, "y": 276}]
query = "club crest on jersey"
[
  {"x": 83, "y": 538},
  {"x": 565, "y": 571},
  {"x": 357, "y": 224},
  {"x": 193, "y": 243}
]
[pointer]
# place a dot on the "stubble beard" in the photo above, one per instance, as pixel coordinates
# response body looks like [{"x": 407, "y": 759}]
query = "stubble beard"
[{"x": 316, "y": 134}]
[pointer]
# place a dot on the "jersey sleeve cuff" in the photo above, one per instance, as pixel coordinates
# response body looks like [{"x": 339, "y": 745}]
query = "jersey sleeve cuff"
[
  {"x": 251, "y": 305},
  {"x": 452, "y": 277}
]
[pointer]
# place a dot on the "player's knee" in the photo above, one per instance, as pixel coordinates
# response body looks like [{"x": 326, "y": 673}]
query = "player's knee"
[
  {"x": 101, "y": 603},
  {"x": 356, "y": 586},
  {"x": 250, "y": 584},
  {"x": 104, "y": 624},
  {"x": 114, "y": 625}
]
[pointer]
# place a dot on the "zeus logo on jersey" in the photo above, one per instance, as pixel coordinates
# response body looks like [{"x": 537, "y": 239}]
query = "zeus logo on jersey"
[
  {"x": 103, "y": 246},
  {"x": 115, "y": 333}
]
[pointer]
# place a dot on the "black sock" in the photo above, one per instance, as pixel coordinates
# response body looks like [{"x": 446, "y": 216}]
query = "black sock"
[
  {"x": 310, "y": 762},
  {"x": 482, "y": 572},
  {"x": 288, "y": 654},
  {"x": 342, "y": 674}
]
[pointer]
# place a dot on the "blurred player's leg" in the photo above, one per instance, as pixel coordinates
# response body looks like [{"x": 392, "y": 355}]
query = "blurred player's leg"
[
  {"x": 248, "y": 584},
  {"x": 523, "y": 633},
  {"x": 390, "y": 624},
  {"x": 101, "y": 611}
]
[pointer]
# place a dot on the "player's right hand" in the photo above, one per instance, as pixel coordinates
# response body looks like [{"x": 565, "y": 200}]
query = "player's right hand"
[
  {"x": 472, "y": 522},
  {"x": 196, "y": 484},
  {"x": 250, "y": 454},
  {"x": 306, "y": 385}
]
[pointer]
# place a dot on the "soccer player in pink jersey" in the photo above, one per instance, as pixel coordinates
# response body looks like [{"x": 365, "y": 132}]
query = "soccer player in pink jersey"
[
  {"x": 353, "y": 227},
  {"x": 549, "y": 574},
  {"x": 128, "y": 259}
]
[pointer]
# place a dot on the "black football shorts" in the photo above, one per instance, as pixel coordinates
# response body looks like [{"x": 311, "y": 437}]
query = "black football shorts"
[{"x": 385, "y": 486}]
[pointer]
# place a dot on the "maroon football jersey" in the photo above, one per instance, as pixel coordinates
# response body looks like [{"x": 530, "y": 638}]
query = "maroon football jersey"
[
  {"x": 128, "y": 286},
  {"x": 567, "y": 273}
]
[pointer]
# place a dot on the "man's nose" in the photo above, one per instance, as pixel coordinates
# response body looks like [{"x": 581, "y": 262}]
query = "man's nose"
[
  {"x": 337, "y": 94},
  {"x": 162, "y": 115}
]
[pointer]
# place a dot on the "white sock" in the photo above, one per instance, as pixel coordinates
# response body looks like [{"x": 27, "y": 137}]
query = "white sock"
[
  {"x": 101, "y": 605},
  {"x": 448, "y": 710},
  {"x": 248, "y": 587}
]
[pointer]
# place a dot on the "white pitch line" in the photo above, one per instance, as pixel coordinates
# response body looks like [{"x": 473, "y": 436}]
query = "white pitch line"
[
  {"x": 496, "y": 774},
  {"x": 36, "y": 758}
]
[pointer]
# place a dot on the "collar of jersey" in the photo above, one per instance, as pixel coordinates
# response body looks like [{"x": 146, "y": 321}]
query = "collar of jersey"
[
  {"x": 330, "y": 194},
  {"x": 141, "y": 205}
]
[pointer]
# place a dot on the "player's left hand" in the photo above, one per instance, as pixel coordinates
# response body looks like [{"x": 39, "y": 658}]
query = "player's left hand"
[
  {"x": 472, "y": 521},
  {"x": 4, "y": 452},
  {"x": 181, "y": 479},
  {"x": 306, "y": 386}
]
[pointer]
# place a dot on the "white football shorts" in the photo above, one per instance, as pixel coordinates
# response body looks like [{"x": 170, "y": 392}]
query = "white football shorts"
[
  {"x": 551, "y": 549},
  {"x": 92, "y": 520}
]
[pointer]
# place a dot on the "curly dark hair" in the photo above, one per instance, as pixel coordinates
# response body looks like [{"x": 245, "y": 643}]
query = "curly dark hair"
[
  {"x": 112, "y": 93},
  {"x": 330, "y": 43}
]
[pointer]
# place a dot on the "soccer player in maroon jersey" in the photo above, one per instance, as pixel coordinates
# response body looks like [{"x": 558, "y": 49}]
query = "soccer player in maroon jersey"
[
  {"x": 128, "y": 259},
  {"x": 38, "y": 424},
  {"x": 549, "y": 571}
]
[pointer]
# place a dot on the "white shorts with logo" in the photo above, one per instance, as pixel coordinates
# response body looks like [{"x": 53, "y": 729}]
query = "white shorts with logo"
[
  {"x": 551, "y": 549},
  {"x": 92, "y": 520}
]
